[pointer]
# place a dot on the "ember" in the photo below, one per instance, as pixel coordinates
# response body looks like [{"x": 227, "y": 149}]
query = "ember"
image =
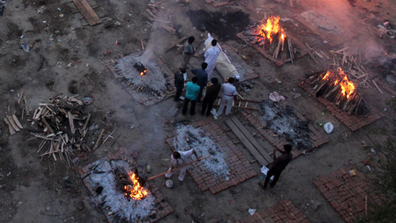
[
  {"x": 141, "y": 68},
  {"x": 135, "y": 191},
  {"x": 335, "y": 86},
  {"x": 268, "y": 29}
]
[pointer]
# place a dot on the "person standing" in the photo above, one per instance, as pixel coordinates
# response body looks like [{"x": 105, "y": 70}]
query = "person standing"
[
  {"x": 229, "y": 94},
  {"x": 188, "y": 51},
  {"x": 179, "y": 82},
  {"x": 192, "y": 90},
  {"x": 211, "y": 55},
  {"x": 211, "y": 95},
  {"x": 179, "y": 158},
  {"x": 202, "y": 78},
  {"x": 278, "y": 166}
]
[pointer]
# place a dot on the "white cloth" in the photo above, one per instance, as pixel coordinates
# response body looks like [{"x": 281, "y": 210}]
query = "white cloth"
[
  {"x": 211, "y": 55},
  {"x": 229, "y": 91},
  {"x": 184, "y": 156}
]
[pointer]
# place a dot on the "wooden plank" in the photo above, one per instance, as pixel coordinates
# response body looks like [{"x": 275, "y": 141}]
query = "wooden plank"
[
  {"x": 11, "y": 121},
  {"x": 252, "y": 140},
  {"x": 87, "y": 11},
  {"x": 246, "y": 142},
  {"x": 12, "y": 131}
]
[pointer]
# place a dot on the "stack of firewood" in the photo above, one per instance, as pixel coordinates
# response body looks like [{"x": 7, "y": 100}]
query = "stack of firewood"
[
  {"x": 161, "y": 18},
  {"x": 65, "y": 125},
  {"x": 326, "y": 88}
]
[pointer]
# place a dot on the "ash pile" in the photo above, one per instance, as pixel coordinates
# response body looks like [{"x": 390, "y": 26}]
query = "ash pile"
[
  {"x": 63, "y": 127},
  {"x": 144, "y": 77},
  {"x": 189, "y": 137},
  {"x": 112, "y": 189},
  {"x": 285, "y": 123}
]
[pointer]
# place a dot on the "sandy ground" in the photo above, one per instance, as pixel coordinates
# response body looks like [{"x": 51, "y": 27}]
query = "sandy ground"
[{"x": 41, "y": 190}]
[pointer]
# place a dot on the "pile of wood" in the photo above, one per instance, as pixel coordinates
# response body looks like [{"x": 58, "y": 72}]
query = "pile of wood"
[
  {"x": 161, "y": 18},
  {"x": 281, "y": 48},
  {"x": 326, "y": 88},
  {"x": 13, "y": 124},
  {"x": 65, "y": 125}
]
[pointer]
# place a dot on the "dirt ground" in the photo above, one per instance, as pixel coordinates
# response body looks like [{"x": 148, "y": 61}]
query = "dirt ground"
[{"x": 66, "y": 57}]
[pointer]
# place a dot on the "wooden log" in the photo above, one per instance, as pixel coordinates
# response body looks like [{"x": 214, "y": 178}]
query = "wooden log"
[
  {"x": 17, "y": 122},
  {"x": 11, "y": 121},
  {"x": 289, "y": 44},
  {"x": 335, "y": 88},
  {"x": 71, "y": 122},
  {"x": 47, "y": 125},
  {"x": 375, "y": 84},
  {"x": 20, "y": 98},
  {"x": 98, "y": 140},
  {"x": 12, "y": 131}
]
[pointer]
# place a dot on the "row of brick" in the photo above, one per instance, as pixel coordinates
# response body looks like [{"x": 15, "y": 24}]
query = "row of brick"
[
  {"x": 238, "y": 165},
  {"x": 347, "y": 193}
]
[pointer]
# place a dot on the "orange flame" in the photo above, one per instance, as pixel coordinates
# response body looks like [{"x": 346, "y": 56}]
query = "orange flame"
[
  {"x": 270, "y": 28},
  {"x": 143, "y": 72},
  {"x": 135, "y": 191},
  {"x": 347, "y": 87}
]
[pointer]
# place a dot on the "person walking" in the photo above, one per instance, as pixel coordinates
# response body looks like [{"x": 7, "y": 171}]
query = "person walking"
[
  {"x": 211, "y": 94},
  {"x": 202, "y": 79},
  {"x": 192, "y": 90},
  {"x": 229, "y": 95},
  {"x": 278, "y": 166},
  {"x": 179, "y": 158},
  {"x": 211, "y": 55},
  {"x": 188, "y": 51},
  {"x": 179, "y": 82}
]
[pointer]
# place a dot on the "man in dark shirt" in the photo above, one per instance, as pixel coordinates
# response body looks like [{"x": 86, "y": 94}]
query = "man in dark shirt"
[
  {"x": 179, "y": 82},
  {"x": 278, "y": 166},
  {"x": 211, "y": 95},
  {"x": 202, "y": 78}
]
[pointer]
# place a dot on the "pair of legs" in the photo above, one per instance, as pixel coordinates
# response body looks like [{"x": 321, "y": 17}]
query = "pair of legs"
[
  {"x": 207, "y": 104},
  {"x": 181, "y": 175},
  {"x": 185, "y": 60},
  {"x": 225, "y": 101},
  {"x": 271, "y": 173},
  {"x": 201, "y": 88},
  {"x": 185, "y": 106},
  {"x": 178, "y": 93}
]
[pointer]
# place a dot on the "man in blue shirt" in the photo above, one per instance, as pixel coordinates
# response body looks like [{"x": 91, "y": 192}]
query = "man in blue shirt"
[
  {"x": 202, "y": 79},
  {"x": 192, "y": 90}
]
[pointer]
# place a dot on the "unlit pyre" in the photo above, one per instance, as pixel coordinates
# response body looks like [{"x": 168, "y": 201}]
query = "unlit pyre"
[{"x": 335, "y": 86}]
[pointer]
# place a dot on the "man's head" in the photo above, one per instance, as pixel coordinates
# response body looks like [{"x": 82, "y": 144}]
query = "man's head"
[
  {"x": 191, "y": 39},
  {"x": 214, "y": 80},
  {"x": 214, "y": 42},
  {"x": 194, "y": 80},
  {"x": 183, "y": 70},
  {"x": 287, "y": 148},
  {"x": 231, "y": 80},
  {"x": 176, "y": 155},
  {"x": 204, "y": 65}
]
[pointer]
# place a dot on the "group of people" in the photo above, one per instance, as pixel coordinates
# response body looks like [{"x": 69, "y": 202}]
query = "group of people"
[{"x": 199, "y": 83}]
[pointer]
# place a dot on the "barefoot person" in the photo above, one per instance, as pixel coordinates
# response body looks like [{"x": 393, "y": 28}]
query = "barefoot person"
[{"x": 179, "y": 158}]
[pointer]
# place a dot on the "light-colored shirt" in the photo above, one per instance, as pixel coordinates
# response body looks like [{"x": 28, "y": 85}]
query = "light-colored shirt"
[
  {"x": 192, "y": 91},
  {"x": 211, "y": 55},
  {"x": 229, "y": 90},
  {"x": 184, "y": 157}
]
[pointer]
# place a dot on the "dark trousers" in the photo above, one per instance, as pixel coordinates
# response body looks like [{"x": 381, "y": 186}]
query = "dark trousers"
[
  {"x": 272, "y": 172},
  {"x": 178, "y": 93},
  {"x": 207, "y": 104},
  {"x": 185, "y": 106},
  {"x": 200, "y": 93}
]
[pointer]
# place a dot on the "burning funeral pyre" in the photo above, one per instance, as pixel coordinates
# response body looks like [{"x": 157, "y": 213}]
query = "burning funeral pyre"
[
  {"x": 335, "y": 86},
  {"x": 189, "y": 137},
  {"x": 272, "y": 40},
  {"x": 285, "y": 123},
  {"x": 120, "y": 191},
  {"x": 147, "y": 78}
]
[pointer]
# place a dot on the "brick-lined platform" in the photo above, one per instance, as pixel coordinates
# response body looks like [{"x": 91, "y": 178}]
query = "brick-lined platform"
[
  {"x": 352, "y": 122},
  {"x": 284, "y": 211},
  {"x": 162, "y": 207},
  {"x": 256, "y": 119},
  {"x": 346, "y": 193},
  {"x": 142, "y": 97},
  {"x": 239, "y": 167},
  {"x": 251, "y": 41}
]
